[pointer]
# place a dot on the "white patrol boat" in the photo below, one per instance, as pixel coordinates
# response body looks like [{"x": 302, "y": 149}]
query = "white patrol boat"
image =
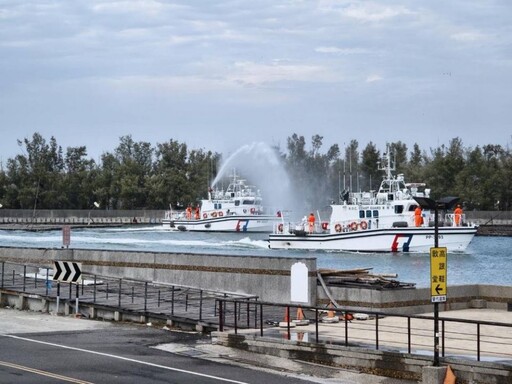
[
  {"x": 236, "y": 209},
  {"x": 382, "y": 221}
]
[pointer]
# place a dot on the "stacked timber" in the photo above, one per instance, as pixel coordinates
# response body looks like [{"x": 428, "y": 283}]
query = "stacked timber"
[{"x": 362, "y": 277}]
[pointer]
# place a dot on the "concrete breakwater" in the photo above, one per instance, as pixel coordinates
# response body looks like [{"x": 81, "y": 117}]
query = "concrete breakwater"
[
  {"x": 494, "y": 230},
  {"x": 271, "y": 279},
  {"x": 491, "y": 223}
]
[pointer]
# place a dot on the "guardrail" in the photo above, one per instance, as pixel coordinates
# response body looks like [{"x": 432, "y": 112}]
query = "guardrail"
[
  {"x": 122, "y": 294},
  {"x": 475, "y": 339}
]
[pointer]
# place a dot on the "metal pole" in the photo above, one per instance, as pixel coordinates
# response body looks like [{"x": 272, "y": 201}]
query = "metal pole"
[
  {"x": 120, "y": 290},
  {"x": 261, "y": 320},
  {"x": 436, "y": 304},
  {"x": 172, "y": 302},
  {"x": 221, "y": 320},
  {"x": 76, "y": 298},
  {"x": 3, "y": 266},
  {"x": 58, "y": 297},
  {"x": 201, "y": 305},
  {"x": 234, "y": 315},
  {"x": 145, "y": 297}
]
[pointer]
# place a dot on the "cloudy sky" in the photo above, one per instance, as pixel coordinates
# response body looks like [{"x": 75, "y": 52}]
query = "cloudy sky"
[{"x": 221, "y": 74}]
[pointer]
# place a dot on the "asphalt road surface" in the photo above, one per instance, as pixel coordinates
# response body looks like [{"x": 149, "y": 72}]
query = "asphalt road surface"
[{"x": 41, "y": 348}]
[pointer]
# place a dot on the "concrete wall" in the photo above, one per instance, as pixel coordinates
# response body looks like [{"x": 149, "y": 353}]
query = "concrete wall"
[
  {"x": 414, "y": 301},
  {"x": 269, "y": 278},
  {"x": 385, "y": 363},
  {"x": 99, "y": 216}
]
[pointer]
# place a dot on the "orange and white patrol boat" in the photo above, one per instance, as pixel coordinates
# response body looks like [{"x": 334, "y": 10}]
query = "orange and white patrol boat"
[
  {"x": 381, "y": 221},
  {"x": 238, "y": 208}
]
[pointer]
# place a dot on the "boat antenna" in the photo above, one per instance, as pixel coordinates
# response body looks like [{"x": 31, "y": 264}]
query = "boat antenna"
[{"x": 388, "y": 166}]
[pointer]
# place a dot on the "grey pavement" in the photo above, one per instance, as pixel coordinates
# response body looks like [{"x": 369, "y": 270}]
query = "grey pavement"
[{"x": 15, "y": 322}]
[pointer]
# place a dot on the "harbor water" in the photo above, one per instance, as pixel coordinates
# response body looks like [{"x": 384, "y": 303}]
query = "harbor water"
[{"x": 488, "y": 260}]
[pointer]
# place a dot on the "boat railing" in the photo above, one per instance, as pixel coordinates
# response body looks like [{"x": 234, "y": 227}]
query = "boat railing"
[
  {"x": 455, "y": 220},
  {"x": 172, "y": 215}
]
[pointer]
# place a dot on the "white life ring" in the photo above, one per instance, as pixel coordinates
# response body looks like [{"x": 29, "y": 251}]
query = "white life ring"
[
  {"x": 280, "y": 228},
  {"x": 338, "y": 228},
  {"x": 353, "y": 226},
  {"x": 205, "y": 215},
  {"x": 253, "y": 210},
  {"x": 363, "y": 225},
  {"x": 221, "y": 213},
  {"x": 214, "y": 214}
]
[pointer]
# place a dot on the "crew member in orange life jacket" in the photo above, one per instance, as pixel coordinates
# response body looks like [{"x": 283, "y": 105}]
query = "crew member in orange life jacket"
[
  {"x": 311, "y": 222},
  {"x": 458, "y": 215},
  {"x": 418, "y": 219}
]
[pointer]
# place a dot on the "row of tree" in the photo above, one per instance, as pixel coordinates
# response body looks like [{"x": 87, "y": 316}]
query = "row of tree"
[{"x": 137, "y": 175}]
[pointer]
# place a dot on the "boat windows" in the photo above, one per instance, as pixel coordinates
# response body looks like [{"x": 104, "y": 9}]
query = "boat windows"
[
  {"x": 237, "y": 203},
  {"x": 368, "y": 214},
  {"x": 248, "y": 202},
  {"x": 217, "y": 206},
  {"x": 399, "y": 208}
]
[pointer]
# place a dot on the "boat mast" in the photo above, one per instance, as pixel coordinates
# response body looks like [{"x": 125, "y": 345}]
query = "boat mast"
[{"x": 388, "y": 166}]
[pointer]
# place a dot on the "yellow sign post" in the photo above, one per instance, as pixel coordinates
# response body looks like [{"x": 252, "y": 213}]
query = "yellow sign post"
[{"x": 438, "y": 270}]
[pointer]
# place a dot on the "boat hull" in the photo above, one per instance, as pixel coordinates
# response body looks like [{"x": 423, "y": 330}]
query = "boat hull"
[
  {"x": 234, "y": 223},
  {"x": 455, "y": 239}
]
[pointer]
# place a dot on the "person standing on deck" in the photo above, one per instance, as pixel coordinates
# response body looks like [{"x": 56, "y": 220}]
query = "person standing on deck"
[
  {"x": 457, "y": 215},
  {"x": 418, "y": 219},
  {"x": 188, "y": 212},
  {"x": 311, "y": 222},
  {"x": 197, "y": 213}
]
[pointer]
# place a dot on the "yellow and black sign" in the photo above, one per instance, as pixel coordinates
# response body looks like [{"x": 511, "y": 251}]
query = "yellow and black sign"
[{"x": 438, "y": 271}]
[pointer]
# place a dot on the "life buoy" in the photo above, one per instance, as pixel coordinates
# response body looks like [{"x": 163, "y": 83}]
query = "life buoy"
[
  {"x": 214, "y": 214},
  {"x": 325, "y": 225},
  {"x": 280, "y": 228},
  {"x": 205, "y": 215},
  {"x": 353, "y": 226},
  {"x": 221, "y": 214},
  {"x": 363, "y": 225},
  {"x": 337, "y": 228},
  {"x": 253, "y": 210}
]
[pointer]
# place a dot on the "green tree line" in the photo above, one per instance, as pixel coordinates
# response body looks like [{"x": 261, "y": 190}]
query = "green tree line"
[{"x": 138, "y": 175}]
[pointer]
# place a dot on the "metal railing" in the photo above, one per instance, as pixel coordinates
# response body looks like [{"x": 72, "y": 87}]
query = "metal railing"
[
  {"x": 169, "y": 301},
  {"x": 414, "y": 334}
]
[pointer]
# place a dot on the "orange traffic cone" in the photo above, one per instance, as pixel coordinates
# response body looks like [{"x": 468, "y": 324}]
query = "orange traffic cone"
[
  {"x": 286, "y": 321},
  {"x": 300, "y": 317},
  {"x": 330, "y": 318},
  {"x": 450, "y": 376}
]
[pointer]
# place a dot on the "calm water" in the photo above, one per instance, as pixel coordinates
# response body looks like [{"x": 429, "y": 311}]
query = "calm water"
[{"x": 488, "y": 260}]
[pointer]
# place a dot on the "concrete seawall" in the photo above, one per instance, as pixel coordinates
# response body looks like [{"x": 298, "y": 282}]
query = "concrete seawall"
[{"x": 268, "y": 278}]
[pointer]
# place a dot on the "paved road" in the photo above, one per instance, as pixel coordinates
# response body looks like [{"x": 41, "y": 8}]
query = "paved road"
[{"x": 41, "y": 348}]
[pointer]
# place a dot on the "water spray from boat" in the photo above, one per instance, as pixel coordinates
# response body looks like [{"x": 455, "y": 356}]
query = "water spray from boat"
[{"x": 260, "y": 165}]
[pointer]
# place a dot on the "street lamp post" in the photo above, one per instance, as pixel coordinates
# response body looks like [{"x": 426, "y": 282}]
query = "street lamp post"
[{"x": 444, "y": 203}]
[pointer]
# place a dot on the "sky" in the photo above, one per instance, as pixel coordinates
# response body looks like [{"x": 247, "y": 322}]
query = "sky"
[{"x": 218, "y": 75}]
